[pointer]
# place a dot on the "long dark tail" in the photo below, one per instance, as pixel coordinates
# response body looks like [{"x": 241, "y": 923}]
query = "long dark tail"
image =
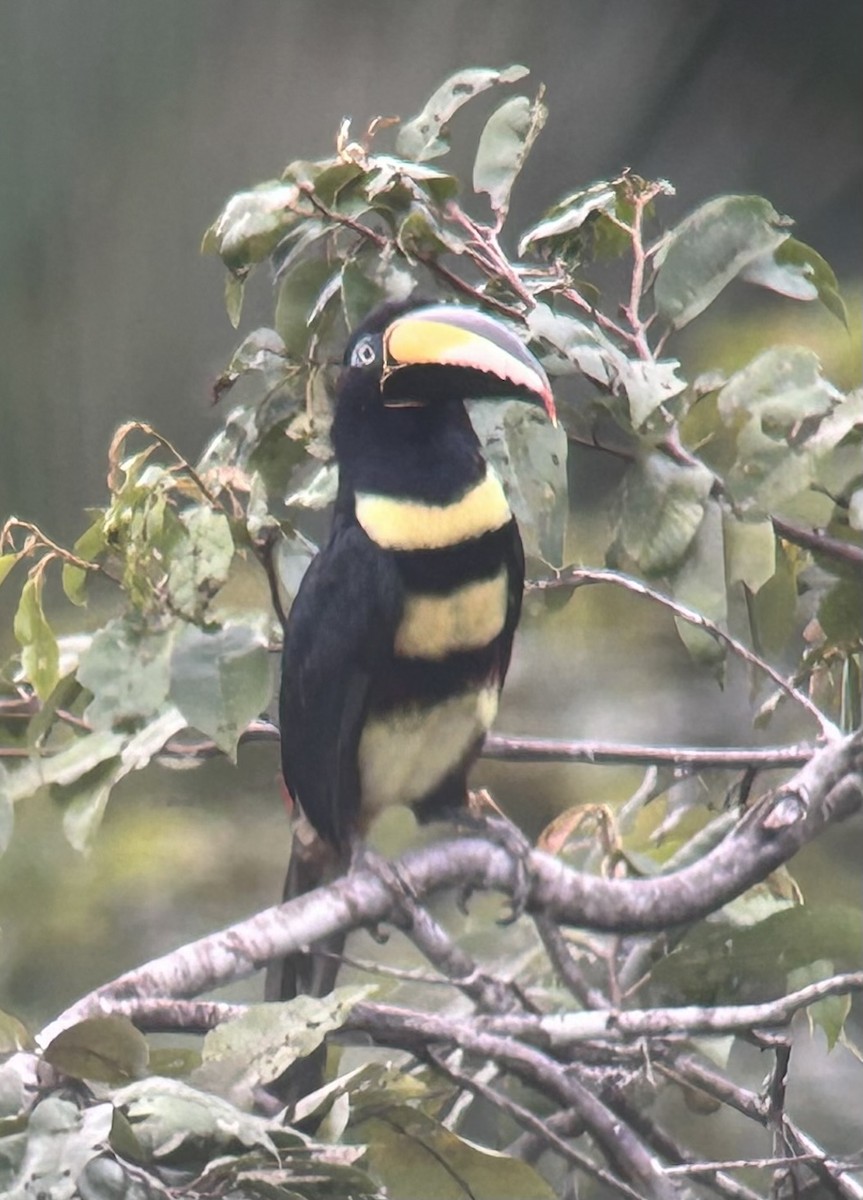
[{"x": 313, "y": 863}]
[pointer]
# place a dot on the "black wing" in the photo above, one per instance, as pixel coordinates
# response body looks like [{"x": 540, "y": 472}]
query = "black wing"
[
  {"x": 340, "y": 631},
  {"x": 515, "y": 571}
]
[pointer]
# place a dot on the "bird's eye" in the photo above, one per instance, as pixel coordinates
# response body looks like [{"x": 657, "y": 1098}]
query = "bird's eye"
[{"x": 364, "y": 354}]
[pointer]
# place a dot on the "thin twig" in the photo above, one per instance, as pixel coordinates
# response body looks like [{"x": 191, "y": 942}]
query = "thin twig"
[
  {"x": 604, "y": 322},
  {"x": 640, "y": 200},
  {"x": 37, "y": 540},
  {"x": 740, "y": 1164},
  {"x": 624, "y": 1151},
  {"x": 579, "y": 576},
  {"x": 143, "y": 427},
  {"x": 372, "y": 235},
  {"x": 557, "y": 949},
  {"x": 529, "y": 1121},
  {"x": 820, "y": 543},
  {"x": 688, "y": 1071},
  {"x": 458, "y": 284},
  {"x": 499, "y": 746},
  {"x": 489, "y": 994},
  {"x": 563, "y": 1029},
  {"x": 664, "y": 1144},
  {"x": 516, "y": 748}
]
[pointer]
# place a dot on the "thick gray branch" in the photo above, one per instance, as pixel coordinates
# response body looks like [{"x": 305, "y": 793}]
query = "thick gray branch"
[{"x": 828, "y": 788}]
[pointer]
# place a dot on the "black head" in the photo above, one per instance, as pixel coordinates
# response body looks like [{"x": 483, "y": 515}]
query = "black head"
[{"x": 415, "y": 354}]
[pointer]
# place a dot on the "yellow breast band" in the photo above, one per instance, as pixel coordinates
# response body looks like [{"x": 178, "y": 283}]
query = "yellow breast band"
[{"x": 411, "y": 525}]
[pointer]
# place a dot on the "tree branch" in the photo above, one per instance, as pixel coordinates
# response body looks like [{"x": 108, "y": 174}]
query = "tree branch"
[
  {"x": 562, "y": 1030},
  {"x": 820, "y": 543},
  {"x": 827, "y": 789},
  {"x": 625, "y": 1152},
  {"x": 580, "y": 576},
  {"x": 685, "y": 1069},
  {"x": 534, "y": 1124},
  {"x": 515, "y": 748}
]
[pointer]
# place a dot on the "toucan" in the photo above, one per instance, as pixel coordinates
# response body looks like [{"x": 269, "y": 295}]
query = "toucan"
[{"x": 398, "y": 641}]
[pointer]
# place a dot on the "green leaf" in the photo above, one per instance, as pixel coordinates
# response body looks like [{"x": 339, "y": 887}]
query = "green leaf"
[
  {"x": 253, "y": 223},
  {"x": 298, "y": 292},
  {"x": 780, "y": 387},
  {"x": 40, "y": 657},
  {"x": 420, "y": 236},
  {"x": 577, "y": 345},
  {"x": 64, "y": 767},
  {"x": 504, "y": 144},
  {"x": 89, "y": 546},
  {"x": 62, "y": 1140},
  {"x": 7, "y": 562},
  {"x": 569, "y": 214},
  {"x": 587, "y": 219},
  {"x": 796, "y": 270},
  {"x": 14, "y": 1036},
  {"x": 107, "y": 1049},
  {"x": 718, "y": 963},
  {"x": 173, "y": 1121},
  {"x": 405, "y": 1145},
  {"x": 319, "y": 492},
  {"x": 662, "y": 507},
  {"x": 308, "y": 240},
  {"x": 840, "y": 613},
  {"x": 334, "y": 179},
  {"x": 398, "y": 182},
  {"x": 750, "y": 552},
  {"x": 84, "y": 801},
  {"x": 235, "y": 291},
  {"x": 220, "y": 681},
  {"x": 262, "y": 350},
  {"x": 261, "y": 363},
  {"x": 529, "y": 454},
  {"x": 127, "y": 670},
  {"x": 776, "y": 405},
  {"x": 240, "y": 1056},
  {"x": 370, "y": 277},
  {"x": 700, "y": 584},
  {"x": 773, "y": 608},
  {"x": 712, "y": 246},
  {"x": 202, "y": 561},
  {"x": 361, "y": 291},
  {"x": 851, "y": 693},
  {"x": 829, "y": 1014},
  {"x": 426, "y": 135}
]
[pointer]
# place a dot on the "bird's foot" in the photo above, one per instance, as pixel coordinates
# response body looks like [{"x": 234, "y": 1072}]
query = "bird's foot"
[
  {"x": 405, "y": 899},
  {"x": 483, "y": 816}
]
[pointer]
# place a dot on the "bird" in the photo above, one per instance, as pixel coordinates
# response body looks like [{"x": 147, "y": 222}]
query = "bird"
[{"x": 399, "y": 638}]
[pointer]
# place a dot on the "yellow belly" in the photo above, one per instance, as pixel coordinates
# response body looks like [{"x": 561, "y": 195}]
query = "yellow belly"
[
  {"x": 405, "y": 755},
  {"x": 467, "y": 618}
]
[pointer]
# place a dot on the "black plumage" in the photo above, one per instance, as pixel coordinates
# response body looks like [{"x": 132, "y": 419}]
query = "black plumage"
[{"x": 400, "y": 636}]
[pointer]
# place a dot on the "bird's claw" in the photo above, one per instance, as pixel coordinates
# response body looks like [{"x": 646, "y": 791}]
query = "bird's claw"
[{"x": 501, "y": 831}]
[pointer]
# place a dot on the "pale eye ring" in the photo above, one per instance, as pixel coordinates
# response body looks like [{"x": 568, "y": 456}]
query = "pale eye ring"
[{"x": 364, "y": 354}]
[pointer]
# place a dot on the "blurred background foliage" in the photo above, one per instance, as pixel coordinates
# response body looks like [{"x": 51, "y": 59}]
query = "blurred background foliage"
[{"x": 127, "y": 125}]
